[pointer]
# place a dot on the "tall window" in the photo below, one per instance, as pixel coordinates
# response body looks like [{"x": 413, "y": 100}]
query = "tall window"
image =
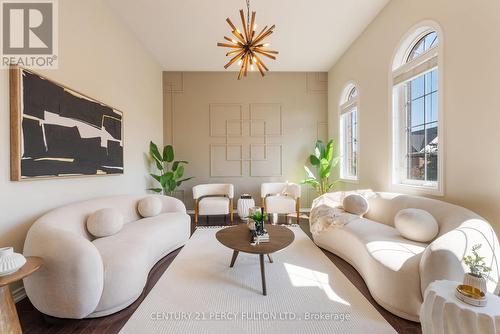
[
  {"x": 349, "y": 134},
  {"x": 416, "y": 114}
]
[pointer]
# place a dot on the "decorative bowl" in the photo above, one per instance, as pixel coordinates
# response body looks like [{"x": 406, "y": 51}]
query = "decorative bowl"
[
  {"x": 10, "y": 262},
  {"x": 470, "y": 295}
]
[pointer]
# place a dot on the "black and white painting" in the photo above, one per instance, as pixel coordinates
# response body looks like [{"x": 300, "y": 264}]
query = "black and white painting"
[{"x": 64, "y": 133}]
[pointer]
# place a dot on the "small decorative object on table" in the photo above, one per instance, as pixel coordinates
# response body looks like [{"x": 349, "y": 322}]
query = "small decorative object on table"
[
  {"x": 470, "y": 295},
  {"x": 10, "y": 262},
  {"x": 259, "y": 234},
  {"x": 478, "y": 271},
  {"x": 245, "y": 202}
]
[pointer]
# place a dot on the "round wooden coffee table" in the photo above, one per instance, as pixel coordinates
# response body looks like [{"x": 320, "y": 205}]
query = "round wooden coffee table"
[{"x": 238, "y": 238}]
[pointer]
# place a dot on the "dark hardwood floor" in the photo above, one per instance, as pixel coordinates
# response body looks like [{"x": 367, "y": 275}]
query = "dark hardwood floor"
[{"x": 34, "y": 322}]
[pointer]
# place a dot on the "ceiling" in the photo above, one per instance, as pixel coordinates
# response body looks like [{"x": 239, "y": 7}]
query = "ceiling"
[{"x": 310, "y": 35}]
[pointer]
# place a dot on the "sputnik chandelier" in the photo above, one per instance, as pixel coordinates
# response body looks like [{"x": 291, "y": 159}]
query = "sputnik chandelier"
[{"x": 248, "y": 47}]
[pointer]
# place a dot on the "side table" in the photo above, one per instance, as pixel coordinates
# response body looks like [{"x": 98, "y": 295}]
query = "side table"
[
  {"x": 245, "y": 202},
  {"x": 9, "y": 321},
  {"x": 442, "y": 312}
]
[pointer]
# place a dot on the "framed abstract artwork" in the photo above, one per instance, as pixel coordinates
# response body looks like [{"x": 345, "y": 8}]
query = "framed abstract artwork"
[{"x": 59, "y": 132}]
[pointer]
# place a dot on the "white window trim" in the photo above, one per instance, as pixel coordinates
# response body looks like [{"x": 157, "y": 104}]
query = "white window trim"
[
  {"x": 347, "y": 106},
  {"x": 399, "y": 67}
]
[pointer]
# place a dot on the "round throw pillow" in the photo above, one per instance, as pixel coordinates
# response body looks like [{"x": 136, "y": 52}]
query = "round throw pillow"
[
  {"x": 149, "y": 206},
  {"x": 105, "y": 222},
  {"x": 355, "y": 204},
  {"x": 415, "y": 224}
]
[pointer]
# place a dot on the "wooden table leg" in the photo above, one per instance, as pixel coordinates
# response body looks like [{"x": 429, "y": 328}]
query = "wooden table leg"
[
  {"x": 9, "y": 321},
  {"x": 270, "y": 258},
  {"x": 263, "y": 274},
  {"x": 233, "y": 259}
]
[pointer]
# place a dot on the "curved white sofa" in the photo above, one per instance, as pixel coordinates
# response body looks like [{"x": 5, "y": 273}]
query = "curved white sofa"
[
  {"x": 88, "y": 277},
  {"x": 397, "y": 270}
]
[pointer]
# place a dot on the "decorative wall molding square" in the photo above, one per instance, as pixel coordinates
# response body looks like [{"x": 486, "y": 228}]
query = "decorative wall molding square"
[
  {"x": 220, "y": 165},
  {"x": 220, "y": 114},
  {"x": 173, "y": 82},
  {"x": 272, "y": 165},
  {"x": 316, "y": 82},
  {"x": 269, "y": 113}
]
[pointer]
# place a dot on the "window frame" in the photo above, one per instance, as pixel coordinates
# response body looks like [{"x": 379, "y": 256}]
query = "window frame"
[
  {"x": 347, "y": 106},
  {"x": 400, "y": 74}
]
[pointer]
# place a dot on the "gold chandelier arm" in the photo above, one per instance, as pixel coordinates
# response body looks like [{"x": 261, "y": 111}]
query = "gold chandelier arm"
[
  {"x": 259, "y": 61},
  {"x": 242, "y": 67},
  {"x": 265, "y": 54},
  {"x": 235, "y": 58},
  {"x": 264, "y": 35},
  {"x": 225, "y": 45},
  {"x": 251, "y": 28},
  {"x": 245, "y": 30},
  {"x": 228, "y": 20},
  {"x": 259, "y": 66}
]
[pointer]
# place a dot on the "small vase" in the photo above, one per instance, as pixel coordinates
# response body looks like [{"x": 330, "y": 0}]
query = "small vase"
[
  {"x": 10, "y": 262},
  {"x": 476, "y": 282}
]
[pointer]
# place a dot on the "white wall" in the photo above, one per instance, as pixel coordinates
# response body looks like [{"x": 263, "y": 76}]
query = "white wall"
[
  {"x": 98, "y": 57},
  {"x": 284, "y": 111},
  {"x": 471, "y": 89}
]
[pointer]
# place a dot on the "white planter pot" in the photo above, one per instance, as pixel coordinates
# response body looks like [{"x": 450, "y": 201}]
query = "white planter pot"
[
  {"x": 244, "y": 205},
  {"x": 10, "y": 262},
  {"x": 476, "y": 282}
]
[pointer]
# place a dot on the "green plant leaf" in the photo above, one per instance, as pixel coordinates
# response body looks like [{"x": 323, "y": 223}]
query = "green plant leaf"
[
  {"x": 314, "y": 160},
  {"x": 171, "y": 185},
  {"x": 329, "y": 150},
  {"x": 183, "y": 180},
  {"x": 179, "y": 172},
  {"x": 320, "y": 149},
  {"x": 310, "y": 174},
  {"x": 156, "y": 177},
  {"x": 324, "y": 169},
  {"x": 165, "y": 178},
  {"x": 153, "y": 150},
  {"x": 177, "y": 163},
  {"x": 168, "y": 153},
  {"x": 156, "y": 190}
]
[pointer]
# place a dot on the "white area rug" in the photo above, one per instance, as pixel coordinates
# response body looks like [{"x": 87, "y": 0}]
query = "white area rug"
[{"x": 306, "y": 293}]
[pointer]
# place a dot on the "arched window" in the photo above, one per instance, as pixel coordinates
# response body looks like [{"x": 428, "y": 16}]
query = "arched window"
[
  {"x": 417, "y": 114},
  {"x": 349, "y": 134}
]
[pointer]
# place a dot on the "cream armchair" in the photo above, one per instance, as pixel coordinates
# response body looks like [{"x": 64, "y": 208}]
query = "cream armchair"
[
  {"x": 213, "y": 199},
  {"x": 281, "y": 198}
]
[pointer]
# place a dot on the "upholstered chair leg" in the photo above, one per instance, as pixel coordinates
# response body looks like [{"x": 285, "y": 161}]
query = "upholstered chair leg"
[
  {"x": 231, "y": 210},
  {"x": 298, "y": 209},
  {"x": 263, "y": 204},
  {"x": 196, "y": 207}
]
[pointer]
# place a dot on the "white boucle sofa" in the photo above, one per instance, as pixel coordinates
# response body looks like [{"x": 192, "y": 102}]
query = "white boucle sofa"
[
  {"x": 397, "y": 270},
  {"x": 88, "y": 277}
]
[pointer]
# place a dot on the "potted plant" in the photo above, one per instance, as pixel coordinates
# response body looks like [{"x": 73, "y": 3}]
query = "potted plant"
[
  {"x": 324, "y": 161},
  {"x": 170, "y": 172},
  {"x": 258, "y": 217},
  {"x": 478, "y": 271}
]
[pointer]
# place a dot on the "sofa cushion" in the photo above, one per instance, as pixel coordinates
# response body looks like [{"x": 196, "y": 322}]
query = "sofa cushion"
[
  {"x": 213, "y": 206},
  {"x": 149, "y": 206},
  {"x": 416, "y": 224},
  {"x": 129, "y": 255},
  {"x": 105, "y": 222},
  {"x": 280, "y": 204},
  {"x": 355, "y": 204}
]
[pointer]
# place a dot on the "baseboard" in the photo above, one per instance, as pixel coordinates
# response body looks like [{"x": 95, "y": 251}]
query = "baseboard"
[{"x": 19, "y": 294}]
